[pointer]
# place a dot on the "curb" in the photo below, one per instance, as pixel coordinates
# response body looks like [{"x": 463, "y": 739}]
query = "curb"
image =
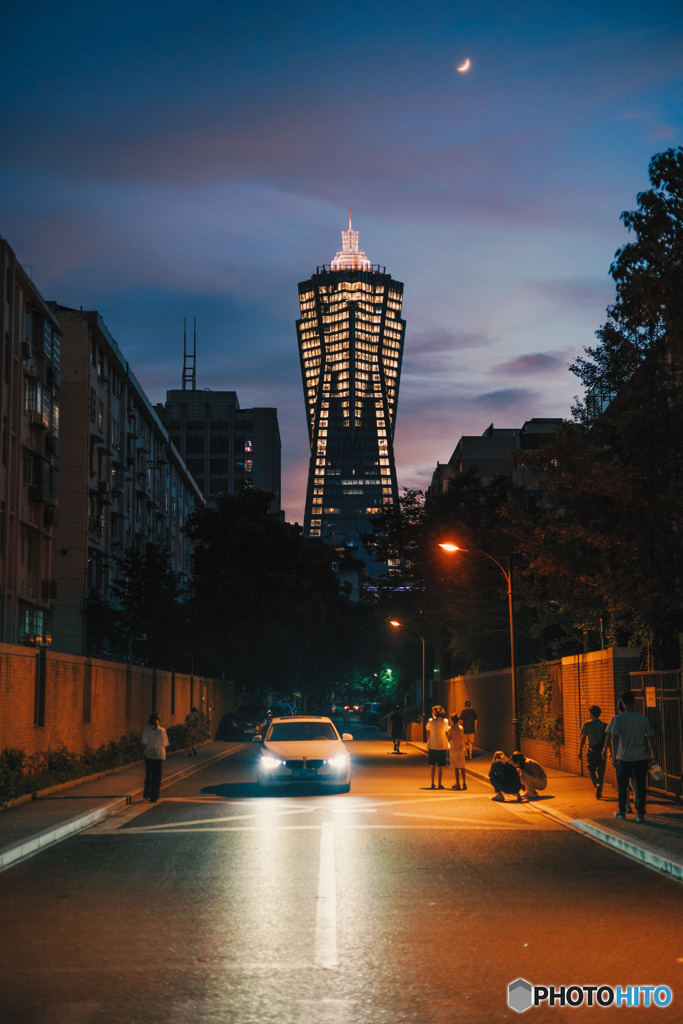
[
  {"x": 27, "y": 847},
  {"x": 38, "y": 794},
  {"x": 643, "y": 853}
]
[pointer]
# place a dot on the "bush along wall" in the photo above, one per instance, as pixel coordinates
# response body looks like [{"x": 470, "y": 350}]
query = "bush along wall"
[
  {"x": 22, "y": 773},
  {"x": 538, "y": 720}
]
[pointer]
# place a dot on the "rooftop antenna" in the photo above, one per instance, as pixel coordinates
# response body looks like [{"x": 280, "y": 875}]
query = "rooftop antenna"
[{"x": 189, "y": 359}]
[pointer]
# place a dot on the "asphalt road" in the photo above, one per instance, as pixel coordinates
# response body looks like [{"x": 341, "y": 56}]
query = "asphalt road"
[{"x": 391, "y": 903}]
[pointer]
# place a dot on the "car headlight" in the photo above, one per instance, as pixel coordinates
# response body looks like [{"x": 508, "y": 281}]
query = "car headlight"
[
  {"x": 269, "y": 762},
  {"x": 341, "y": 761}
]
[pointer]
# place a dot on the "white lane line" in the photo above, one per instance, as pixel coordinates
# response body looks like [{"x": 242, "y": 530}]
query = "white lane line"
[
  {"x": 346, "y": 826},
  {"x": 326, "y": 917},
  {"x": 459, "y": 821},
  {"x": 233, "y": 817}
]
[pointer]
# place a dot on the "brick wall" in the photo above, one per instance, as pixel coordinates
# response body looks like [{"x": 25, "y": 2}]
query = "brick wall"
[
  {"x": 491, "y": 696},
  {"x": 595, "y": 678},
  {"x": 48, "y": 699}
]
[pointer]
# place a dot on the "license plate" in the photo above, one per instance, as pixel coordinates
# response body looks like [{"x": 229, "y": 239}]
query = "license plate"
[{"x": 303, "y": 773}]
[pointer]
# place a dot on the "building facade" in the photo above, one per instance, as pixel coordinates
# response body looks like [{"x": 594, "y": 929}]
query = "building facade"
[
  {"x": 494, "y": 453},
  {"x": 29, "y": 450},
  {"x": 224, "y": 447},
  {"x": 351, "y": 338},
  {"x": 123, "y": 483}
]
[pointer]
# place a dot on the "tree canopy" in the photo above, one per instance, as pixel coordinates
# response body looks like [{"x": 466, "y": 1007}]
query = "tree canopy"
[{"x": 606, "y": 548}]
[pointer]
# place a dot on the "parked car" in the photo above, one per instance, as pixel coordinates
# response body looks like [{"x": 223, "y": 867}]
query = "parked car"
[
  {"x": 246, "y": 722},
  {"x": 304, "y": 749},
  {"x": 280, "y": 710},
  {"x": 327, "y": 710}
]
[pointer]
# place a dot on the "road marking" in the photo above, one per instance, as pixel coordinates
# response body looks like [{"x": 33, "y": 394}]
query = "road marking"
[
  {"x": 460, "y": 821},
  {"x": 232, "y": 817},
  {"x": 326, "y": 917},
  {"x": 343, "y": 825}
]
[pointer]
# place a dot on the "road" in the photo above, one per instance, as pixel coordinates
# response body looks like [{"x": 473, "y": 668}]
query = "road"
[{"x": 392, "y": 903}]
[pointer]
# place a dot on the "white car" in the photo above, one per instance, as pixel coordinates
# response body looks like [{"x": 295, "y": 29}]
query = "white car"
[{"x": 304, "y": 749}]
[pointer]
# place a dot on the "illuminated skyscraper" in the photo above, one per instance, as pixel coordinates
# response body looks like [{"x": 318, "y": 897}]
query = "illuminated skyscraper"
[{"x": 351, "y": 342}]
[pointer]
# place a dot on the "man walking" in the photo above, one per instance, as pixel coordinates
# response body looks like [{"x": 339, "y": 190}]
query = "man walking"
[
  {"x": 593, "y": 731},
  {"x": 634, "y": 733},
  {"x": 468, "y": 720},
  {"x": 395, "y": 726}
]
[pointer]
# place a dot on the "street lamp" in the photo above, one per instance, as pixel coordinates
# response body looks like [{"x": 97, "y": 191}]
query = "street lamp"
[
  {"x": 450, "y": 549},
  {"x": 403, "y": 625}
]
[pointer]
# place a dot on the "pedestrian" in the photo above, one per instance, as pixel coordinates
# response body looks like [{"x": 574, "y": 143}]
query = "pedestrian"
[
  {"x": 593, "y": 732},
  {"x": 615, "y": 755},
  {"x": 155, "y": 741},
  {"x": 531, "y": 773},
  {"x": 456, "y": 739},
  {"x": 635, "y": 754},
  {"x": 437, "y": 743},
  {"x": 504, "y": 778},
  {"x": 468, "y": 717},
  {"x": 395, "y": 722},
  {"x": 192, "y": 723}
]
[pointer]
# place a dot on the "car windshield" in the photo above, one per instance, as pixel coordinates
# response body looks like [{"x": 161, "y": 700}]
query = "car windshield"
[
  {"x": 250, "y": 711},
  {"x": 296, "y": 732}
]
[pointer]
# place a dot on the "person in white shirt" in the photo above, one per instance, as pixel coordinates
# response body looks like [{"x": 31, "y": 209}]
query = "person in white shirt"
[
  {"x": 437, "y": 742},
  {"x": 155, "y": 741},
  {"x": 456, "y": 739}
]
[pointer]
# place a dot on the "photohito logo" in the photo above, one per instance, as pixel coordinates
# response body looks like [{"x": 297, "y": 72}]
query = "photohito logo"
[{"x": 522, "y": 995}]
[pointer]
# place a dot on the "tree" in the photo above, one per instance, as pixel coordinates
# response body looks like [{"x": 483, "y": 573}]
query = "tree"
[
  {"x": 459, "y": 603},
  {"x": 607, "y": 545},
  {"x": 267, "y": 603}
]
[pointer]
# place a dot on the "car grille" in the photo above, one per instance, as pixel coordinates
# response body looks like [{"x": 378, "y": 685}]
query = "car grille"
[{"x": 304, "y": 764}]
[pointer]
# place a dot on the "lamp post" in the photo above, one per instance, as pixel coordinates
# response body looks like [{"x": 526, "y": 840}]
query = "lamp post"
[
  {"x": 403, "y": 625},
  {"x": 507, "y": 573}
]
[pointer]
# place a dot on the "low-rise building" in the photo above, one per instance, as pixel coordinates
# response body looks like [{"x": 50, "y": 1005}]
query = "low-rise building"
[
  {"x": 495, "y": 453},
  {"x": 224, "y": 447},
  {"x": 123, "y": 483},
  {"x": 29, "y": 448}
]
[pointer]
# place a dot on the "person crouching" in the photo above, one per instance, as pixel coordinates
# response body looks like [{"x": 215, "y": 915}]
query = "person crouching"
[
  {"x": 530, "y": 772},
  {"x": 504, "y": 778}
]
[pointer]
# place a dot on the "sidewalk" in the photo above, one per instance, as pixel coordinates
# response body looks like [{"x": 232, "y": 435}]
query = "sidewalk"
[
  {"x": 570, "y": 799},
  {"x": 28, "y": 827}
]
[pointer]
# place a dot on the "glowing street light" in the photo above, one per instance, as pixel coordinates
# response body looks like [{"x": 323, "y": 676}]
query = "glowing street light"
[
  {"x": 450, "y": 549},
  {"x": 404, "y": 625}
]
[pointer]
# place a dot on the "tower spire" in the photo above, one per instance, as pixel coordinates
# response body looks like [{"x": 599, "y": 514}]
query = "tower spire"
[{"x": 350, "y": 257}]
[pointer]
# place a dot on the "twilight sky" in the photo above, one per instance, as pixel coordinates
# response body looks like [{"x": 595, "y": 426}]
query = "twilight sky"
[{"x": 167, "y": 160}]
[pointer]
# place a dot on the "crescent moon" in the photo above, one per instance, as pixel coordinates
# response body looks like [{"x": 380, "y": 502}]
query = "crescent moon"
[{"x": 466, "y": 66}]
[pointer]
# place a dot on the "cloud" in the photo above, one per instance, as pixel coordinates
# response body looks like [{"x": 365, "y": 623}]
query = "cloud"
[
  {"x": 505, "y": 399},
  {"x": 440, "y": 340},
  {"x": 573, "y": 292},
  {"x": 534, "y": 363}
]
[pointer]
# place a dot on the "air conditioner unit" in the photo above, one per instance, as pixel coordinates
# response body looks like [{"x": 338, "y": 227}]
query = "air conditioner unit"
[{"x": 26, "y": 350}]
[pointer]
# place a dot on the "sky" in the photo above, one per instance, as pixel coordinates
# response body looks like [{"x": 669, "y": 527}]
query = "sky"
[{"x": 198, "y": 160}]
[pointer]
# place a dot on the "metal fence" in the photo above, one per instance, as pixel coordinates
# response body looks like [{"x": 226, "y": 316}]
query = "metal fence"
[{"x": 658, "y": 695}]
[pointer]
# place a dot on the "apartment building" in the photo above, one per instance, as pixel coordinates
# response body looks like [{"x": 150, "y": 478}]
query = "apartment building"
[
  {"x": 123, "y": 483},
  {"x": 29, "y": 449}
]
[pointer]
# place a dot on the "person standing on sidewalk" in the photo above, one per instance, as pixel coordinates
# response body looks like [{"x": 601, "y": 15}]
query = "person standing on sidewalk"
[
  {"x": 456, "y": 740},
  {"x": 593, "y": 731},
  {"x": 192, "y": 723},
  {"x": 155, "y": 741},
  {"x": 437, "y": 742},
  {"x": 468, "y": 718},
  {"x": 634, "y": 733},
  {"x": 395, "y": 725}
]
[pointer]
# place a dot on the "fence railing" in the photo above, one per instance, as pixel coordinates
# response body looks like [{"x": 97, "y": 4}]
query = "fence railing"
[{"x": 658, "y": 696}]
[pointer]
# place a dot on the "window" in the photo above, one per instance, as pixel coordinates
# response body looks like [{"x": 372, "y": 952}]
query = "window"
[{"x": 33, "y": 395}]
